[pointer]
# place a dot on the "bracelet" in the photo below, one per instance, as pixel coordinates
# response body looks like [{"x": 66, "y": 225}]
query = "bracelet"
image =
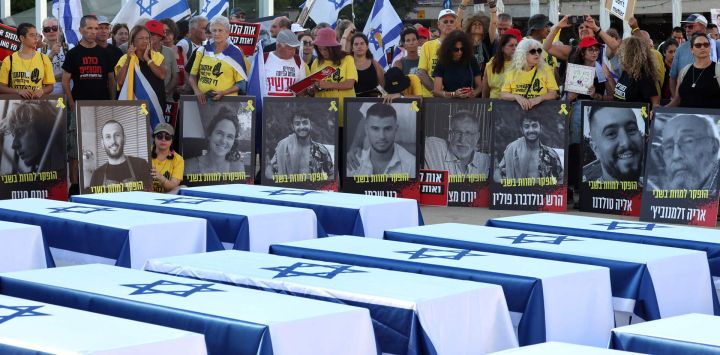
[{"x": 635, "y": 29}]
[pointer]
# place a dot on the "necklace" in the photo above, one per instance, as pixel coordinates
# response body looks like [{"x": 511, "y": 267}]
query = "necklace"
[{"x": 699, "y": 76}]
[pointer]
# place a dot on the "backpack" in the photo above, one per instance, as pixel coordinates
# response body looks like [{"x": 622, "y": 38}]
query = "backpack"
[{"x": 684, "y": 71}]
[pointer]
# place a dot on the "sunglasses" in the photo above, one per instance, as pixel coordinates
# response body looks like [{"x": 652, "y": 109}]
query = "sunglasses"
[
  {"x": 456, "y": 49},
  {"x": 50, "y": 29},
  {"x": 536, "y": 51},
  {"x": 164, "y": 136},
  {"x": 307, "y": 43},
  {"x": 448, "y": 22},
  {"x": 702, "y": 45}
]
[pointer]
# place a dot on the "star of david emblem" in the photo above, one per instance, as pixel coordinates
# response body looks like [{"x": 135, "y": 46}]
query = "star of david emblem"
[
  {"x": 205, "y": 8},
  {"x": 292, "y": 192},
  {"x": 79, "y": 209},
  {"x": 146, "y": 9},
  {"x": 339, "y": 4},
  {"x": 171, "y": 288},
  {"x": 372, "y": 36},
  {"x": 186, "y": 200},
  {"x": 617, "y": 225},
  {"x": 431, "y": 253},
  {"x": 314, "y": 270},
  {"x": 19, "y": 311},
  {"x": 526, "y": 238}
]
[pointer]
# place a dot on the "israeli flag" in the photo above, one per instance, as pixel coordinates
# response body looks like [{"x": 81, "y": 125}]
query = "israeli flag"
[
  {"x": 327, "y": 10},
  {"x": 133, "y": 10},
  {"x": 447, "y": 4},
  {"x": 136, "y": 87},
  {"x": 383, "y": 30},
  {"x": 257, "y": 86},
  {"x": 68, "y": 13},
  {"x": 212, "y": 8}
]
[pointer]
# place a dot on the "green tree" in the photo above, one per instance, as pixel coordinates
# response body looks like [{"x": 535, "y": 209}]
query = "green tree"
[{"x": 21, "y": 5}]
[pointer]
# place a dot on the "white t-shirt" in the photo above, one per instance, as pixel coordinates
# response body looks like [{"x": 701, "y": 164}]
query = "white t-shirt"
[
  {"x": 281, "y": 74},
  {"x": 57, "y": 63}
]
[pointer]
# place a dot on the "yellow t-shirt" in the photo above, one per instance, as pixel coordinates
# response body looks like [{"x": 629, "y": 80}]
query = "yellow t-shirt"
[
  {"x": 518, "y": 82},
  {"x": 215, "y": 74},
  {"x": 660, "y": 67},
  {"x": 345, "y": 71},
  {"x": 156, "y": 58},
  {"x": 495, "y": 81},
  {"x": 415, "y": 88},
  {"x": 169, "y": 168},
  {"x": 27, "y": 74},
  {"x": 428, "y": 61}
]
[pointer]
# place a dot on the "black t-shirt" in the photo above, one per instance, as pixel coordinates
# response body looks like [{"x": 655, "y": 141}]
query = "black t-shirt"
[
  {"x": 114, "y": 53},
  {"x": 705, "y": 94},
  {"x": 89, "y": 68},
  {"x": 629, "y": 90},
  {"x": 457, "y": 76}
]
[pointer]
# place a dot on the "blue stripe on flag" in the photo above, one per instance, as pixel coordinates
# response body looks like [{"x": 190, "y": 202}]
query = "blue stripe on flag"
[
  {"x": 377, "y": 6},
  {"x": 390, "y": 36},
  {"x": 70, "y": 35},
  {"x": 173, "y": 11},
  {"x": 148, "y": 95},
  {"x": 216, "y": 10}
]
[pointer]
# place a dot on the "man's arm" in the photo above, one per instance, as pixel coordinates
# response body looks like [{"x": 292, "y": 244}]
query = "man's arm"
[
  {"x": 112, "y": 86},
  {"x": 66, "y": 77}
]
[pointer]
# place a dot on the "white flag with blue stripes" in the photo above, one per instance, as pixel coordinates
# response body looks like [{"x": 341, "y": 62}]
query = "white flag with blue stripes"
[
  {"x": 383, "y": 30},
  {"x": 68, "y": 13},
  {"x": 212, "y": 8},
  {"x": 133, "y": 10},
  {"x": 327, "y": 10}
]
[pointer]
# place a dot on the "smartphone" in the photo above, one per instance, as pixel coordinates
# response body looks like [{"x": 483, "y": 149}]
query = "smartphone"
[{"x": 576, "y": 20}]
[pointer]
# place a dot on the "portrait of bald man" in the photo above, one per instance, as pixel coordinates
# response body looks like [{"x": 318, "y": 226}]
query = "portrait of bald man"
[{"x": 616, "y": 137}]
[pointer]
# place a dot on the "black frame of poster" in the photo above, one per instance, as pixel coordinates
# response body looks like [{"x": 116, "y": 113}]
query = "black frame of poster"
[
  {"x": 382, "y": 184},
  {"x": 183, "y": 126},
  {"x": 145, "y": 181},
  {"x": 271, "y": 138},
  {"x": 612, "y": 196},
  {"x": 528, "y": 194},
  {"x": 51, "y": 184},
  {"x": 467, "y": 190}
]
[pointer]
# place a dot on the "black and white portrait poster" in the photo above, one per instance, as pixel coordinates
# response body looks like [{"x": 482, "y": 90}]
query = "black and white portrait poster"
[
  {"x": 299, "y": 143},
  {"x": 681, "y": 177},
  {"x": 114, "y": 143},
  {"x": 217, "y": 141},
  {"x": 613, "y": 155},
  {"x": 529, "y": 157},
  {"x": 33, "y": 162},
  {"x": 457, "y": 139},
  {"x": 381, "y": 147}
]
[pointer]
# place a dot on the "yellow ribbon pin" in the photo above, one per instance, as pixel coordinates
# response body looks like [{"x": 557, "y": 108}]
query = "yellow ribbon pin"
[
  {"x": 333, "y": 106},
  {"x": 643, "y": 112},
  {"x": 415, "y": 107},
  {"x": 143, "y": 109},
  {"x": 490, "y": 107},
  {"x": 60, "y": 103},
  {"x": 250, "y": 106},
  {"x": 563, "y": 110}
]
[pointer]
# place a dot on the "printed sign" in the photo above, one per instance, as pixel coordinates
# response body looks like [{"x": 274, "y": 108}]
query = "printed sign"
[
  {"x": 434, "y": 187},
  {"x": 301, "y": 85},
  {"x": 9, "y": 41},
  {"x": 623, "y": 9},
  {"x": 245, "y": 36}
]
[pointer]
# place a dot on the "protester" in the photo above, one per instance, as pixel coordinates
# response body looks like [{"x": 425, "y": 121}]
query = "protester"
[
  {"x": 55, "y": 48},
  {"x": 157, "y": 35},
  {"x": 668, "y": 51},
  {"x": 588, "y": 28},
  {"x": 26, "y": 72},
  {"x": 150, "y": 62},
  {"x": 409, "y": 41},
  {"x": 678, "y": 34},
  {"x": 278, "y": 24},
  {"x": 238, "y": 15},
  {"x": 637, "y": 82},
  {"x": 308, "y": 55},
  {"x": 699, "y": 82},
  {"x": 344, "y": 32},
  {"x": 283, "y": 67},
  {"x": 587, "y": 55},
  {"x": 429, "y": 51},
  {"x": 713, "y": 31},
  {"x": 399, "y": 85},
  {"x": 369, "y": 72},
  {"x": 195, "y": 36},
  {"x": 496, "y": 68},
  {"x": 694, "y": 23},
  {"x": 434, "y": 33},
  {"x": 218, "y": 67},
  {"x": 103, "y": 35},
  {"x": 538, "y": 29},
  {"x": 530, "y": 80},
  {"x": 120, "y": 34},
  {"x": 170, "y": 30},
  {"x": 423, "y": 36},
  {"x": 457, "y": 73},
  {"x": 167, "y": 165},
  {"x": 475, "y": 27}
]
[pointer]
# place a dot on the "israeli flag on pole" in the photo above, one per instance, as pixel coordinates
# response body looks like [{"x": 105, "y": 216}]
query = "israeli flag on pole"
[
  {"x": 327, "y": 10},
  {"x": 68, "y": 13},
  {"x": 212, "y": 8},
  {"x": 136, "y": 87},
  {"x": 133, "y": 10},
  {"x": 257, "y": 87},
  {"x": 447, "y": 4},
  {"x": 383, "y": 30}
]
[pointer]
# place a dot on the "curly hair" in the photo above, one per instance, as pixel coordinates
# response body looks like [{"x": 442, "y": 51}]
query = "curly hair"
[
  {"x": 227, "y": 114},
  {"x": 477, "y": 17},
  {"x": 445, "y": 53},
  {"x": 28, "y": 113},
  {"x": 519, "y": 60},
  {"x": 637, "y": 59}
]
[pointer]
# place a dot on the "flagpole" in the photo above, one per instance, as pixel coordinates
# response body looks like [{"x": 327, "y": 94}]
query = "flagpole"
[{"x": 305, "y": 13}]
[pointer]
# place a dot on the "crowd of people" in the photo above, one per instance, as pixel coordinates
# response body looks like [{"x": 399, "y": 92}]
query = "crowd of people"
[{"x": 468, "y": 55}]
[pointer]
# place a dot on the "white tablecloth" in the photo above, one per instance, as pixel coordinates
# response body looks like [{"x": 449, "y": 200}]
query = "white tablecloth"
[
  {"x": 687, "y": 334},
  {"x": 34, "y": 326},
  {"x": 556, "y": 348},
  {"x": 459, "y": 317},
  {"x": 21, "y": 247}
]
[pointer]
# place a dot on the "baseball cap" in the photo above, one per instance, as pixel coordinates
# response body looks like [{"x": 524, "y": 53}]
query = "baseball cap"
[
  {"x": 297, "y": 28},
  {"x": 155, "y": 27},
  {"x": 514, "y": 32},
  {"x": 164, "y": 127},
  {"x": 102, "y": 20},
  {"x": 288, "y": 37},
  {"x": 588, "y": 42},
  {"x": 446, "y": 12},
  {"x": 696, "y": 18},
  {"x": 537, "y": 22},
  {"x": 395, "y": 81},
  {"x": 423, "y": 32}
]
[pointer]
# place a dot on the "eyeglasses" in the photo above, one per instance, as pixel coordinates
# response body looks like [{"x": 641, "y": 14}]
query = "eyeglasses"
[
  {"x": 683, "y": 144},
  {"x": 463, "y": 135},
  {"x": 535, "y": 51},
  {"x": 50, "y": 29},
  {"x": 448, "y": 22},
  {"x": 456, "y": 49},
  {"x": 593, "y": 49},
  {"x": 169, "y": 32},
  {"x": 164, "y": 136},
  {"x": 701, "y": 45},
  {"x": 307, "y": 43}
]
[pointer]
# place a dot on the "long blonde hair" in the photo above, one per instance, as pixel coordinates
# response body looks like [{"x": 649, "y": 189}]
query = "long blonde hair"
[
  {"x": 637, "y": 59},
  {"x": 519, "y": 60}
]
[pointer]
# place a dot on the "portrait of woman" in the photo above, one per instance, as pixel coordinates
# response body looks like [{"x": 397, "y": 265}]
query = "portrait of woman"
[{"x": 222, "y": 153}]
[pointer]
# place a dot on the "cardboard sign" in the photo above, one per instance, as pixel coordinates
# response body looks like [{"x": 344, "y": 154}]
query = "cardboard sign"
[
  {"x": 302, "y": 85},
  {"x": 245, "y": 36},
  {"x": 579, "y": 78},
  {"x": 9, "y": 41},
  {"x": 715, "y": 16},
  {"x": 434, "y": 187},
  {"x": 623, "y": 9}
]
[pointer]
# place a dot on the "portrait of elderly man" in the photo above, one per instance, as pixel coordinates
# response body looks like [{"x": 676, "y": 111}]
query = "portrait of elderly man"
[
  {"x": 690, "y": 147},
  {"x": 383, "y": 155},
  {"x": 459, "y": 154},
  {"x": 119, "y": 168},
  {"x": 527, "y": 157},
  {"x": 616, "y": 137},
  {"x": 298, "y": 153}
]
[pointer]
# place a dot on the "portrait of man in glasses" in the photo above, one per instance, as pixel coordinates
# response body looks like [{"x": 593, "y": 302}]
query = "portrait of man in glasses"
[{"x": 459, "y": 154}]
